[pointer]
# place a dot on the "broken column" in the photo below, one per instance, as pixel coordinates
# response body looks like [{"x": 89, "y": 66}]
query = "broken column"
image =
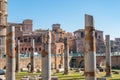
[
  {"x": 89, "y": 49},
  {"x": 32, "y": 55},
  {"x": 18, "y": 56},
  {"x": 46, "y": 56},
  {"x": 108, "y": 56},
  {"x": 10, "y": 53},
  {"x": 66, "y": 57}
]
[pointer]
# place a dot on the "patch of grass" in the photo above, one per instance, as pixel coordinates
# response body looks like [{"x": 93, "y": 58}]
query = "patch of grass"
[
  {"x": 71, "y": 76},
  {"x": 21, "y": 74},
  {"x": 74, "y": 76}
]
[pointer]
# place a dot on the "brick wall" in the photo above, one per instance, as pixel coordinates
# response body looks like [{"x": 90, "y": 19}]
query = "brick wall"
[
  {"x": 25, "y": 61},
  {"x": 100, "y": 59}
]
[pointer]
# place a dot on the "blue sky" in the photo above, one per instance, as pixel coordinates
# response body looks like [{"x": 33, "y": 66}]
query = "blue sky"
[{"x": 69, "y": 13}]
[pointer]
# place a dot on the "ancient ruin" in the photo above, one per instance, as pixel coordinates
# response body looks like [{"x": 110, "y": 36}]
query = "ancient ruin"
[{"x": 89, "y": 49}]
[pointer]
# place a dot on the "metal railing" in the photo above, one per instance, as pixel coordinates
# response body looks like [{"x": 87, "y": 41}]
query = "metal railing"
[
  {"x": 59, "y": 55},
  {"x": 97, "y": 54}
]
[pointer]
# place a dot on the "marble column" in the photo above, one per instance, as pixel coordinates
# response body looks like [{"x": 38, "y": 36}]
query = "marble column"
[
  {"x": 18, "y": 56},
  {"x": 108, "y": 56},
  {"x": 66, "y": 57},
  {"x": 46, "y": 57},
  {"x": 32, "y": 55},
  {"x": 10, "y": 53},
  {"x": 89, "y": 49}
]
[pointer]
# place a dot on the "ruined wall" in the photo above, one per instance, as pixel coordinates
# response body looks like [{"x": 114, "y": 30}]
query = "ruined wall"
[
  {"x": 100, "y": 59},
  {"x": 25, "y": 61}
]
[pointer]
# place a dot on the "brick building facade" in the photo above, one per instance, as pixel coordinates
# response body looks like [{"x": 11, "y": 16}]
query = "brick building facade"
[
  {"x": 115, "y": 45},
  {"x": 79, "y": 41},
  {"x": 3, "y": 21}
]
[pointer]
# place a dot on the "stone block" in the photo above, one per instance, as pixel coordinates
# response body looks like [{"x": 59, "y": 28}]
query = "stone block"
[
  {"x": 24, "y": 69},
  {"x": 60, "y": 70},
  {"x": 25, "y": 78},
  {"x": 2, "y": 77}
]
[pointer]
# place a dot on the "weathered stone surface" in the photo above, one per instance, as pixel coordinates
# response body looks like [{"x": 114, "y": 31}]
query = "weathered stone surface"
[
  {"x": 25, "y": 78},
  {"x": 89, "y": 49},
  {"x": 108, "y": 56},
  {"x": 66, "y": 57},
  {"x": 32, "y": 58},
  {"x": 2, "y": 77},
  {"x": 101, "y": 78},
  {"x": 60, "y": 70},
  {"x": 10, "y": 53},
  {"x": 46, "y": 59},
  {"x": 24, "y": 69},
  {"x": 17, "y": 56}
]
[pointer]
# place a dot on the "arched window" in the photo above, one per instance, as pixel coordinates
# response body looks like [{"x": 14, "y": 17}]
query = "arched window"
[
  {"x": 39, "y": 49},
  {"x": 95, "y": 34},
  {"x": 82, "y": 35}
]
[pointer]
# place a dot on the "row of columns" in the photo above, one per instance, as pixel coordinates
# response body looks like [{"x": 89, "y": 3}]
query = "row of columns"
[{"x": 89, "y": 53}]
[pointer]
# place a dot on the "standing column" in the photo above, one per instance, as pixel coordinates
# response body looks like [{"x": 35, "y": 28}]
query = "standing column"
[
  {"x": 108, "y": 56},
  {"x": 32, "y": 55},
  {"x": 89, "y": 49},
  {"x": 66, "y": 57},
  {"x": 46, "y": 57},
  {"x": 62, "y": 57},
  {"x": 18, "y": 56},
  {"x": 10, "y": 53},
  {"x": 55, "y": 57}
]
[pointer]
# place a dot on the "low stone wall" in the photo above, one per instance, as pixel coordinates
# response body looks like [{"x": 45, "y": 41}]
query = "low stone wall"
[
  {"x": 100, "y": 60},
  {"x": 115, "y": 61},
  {"x": 25, "y": 61}
]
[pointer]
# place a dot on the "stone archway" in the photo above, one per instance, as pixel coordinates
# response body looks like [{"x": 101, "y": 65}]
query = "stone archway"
[{"x": 81, "y": 64}]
